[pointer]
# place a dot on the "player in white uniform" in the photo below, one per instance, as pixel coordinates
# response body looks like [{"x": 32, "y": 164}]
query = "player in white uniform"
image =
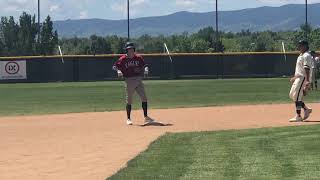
[
  {"x": 317, "y": 61},
  {"x": 314, "y": 70},
  {"x": 301, "y": 81}
]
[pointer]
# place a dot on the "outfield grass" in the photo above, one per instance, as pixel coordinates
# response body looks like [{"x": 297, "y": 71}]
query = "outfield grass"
[
  {"x": 27, "y": 99},
  {"x": 276, "y": 153}
]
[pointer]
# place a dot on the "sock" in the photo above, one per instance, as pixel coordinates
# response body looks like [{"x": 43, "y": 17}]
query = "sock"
[
  {"x": 145, "y": 108},
  {"x": 299, "y": 112},
  {"x": 298, "y": 107},
  {"x": 303, "y": 106},
  {"x": 128, "y": 111}
]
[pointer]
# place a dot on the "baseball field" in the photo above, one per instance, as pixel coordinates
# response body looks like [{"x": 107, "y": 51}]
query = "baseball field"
[
  {"x": 57, "y": 98},
  {"x": 227, "y": 129}
]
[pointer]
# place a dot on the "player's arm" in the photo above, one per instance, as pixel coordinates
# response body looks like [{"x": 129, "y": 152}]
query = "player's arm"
[
  {"x": 307, "y": 70},
  {"x": 145, "y": 67},
  {"x": 307, "y": 66},
  {"x": 116, "y": 67},
  {"x": 307, "y": 85},
  {"x": 292, "y": 79}
]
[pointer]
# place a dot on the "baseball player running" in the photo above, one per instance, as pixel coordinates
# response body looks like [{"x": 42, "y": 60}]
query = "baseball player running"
[
  {"x": 132, "y": 67},
  {"x": 301, "y": 81}
]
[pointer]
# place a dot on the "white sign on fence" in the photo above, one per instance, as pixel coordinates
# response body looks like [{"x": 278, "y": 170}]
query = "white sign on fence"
[{"x": 13, "y": 70}]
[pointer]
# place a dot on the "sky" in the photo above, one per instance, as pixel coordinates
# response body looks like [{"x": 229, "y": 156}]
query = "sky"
[{"x": 116, "y": 9}]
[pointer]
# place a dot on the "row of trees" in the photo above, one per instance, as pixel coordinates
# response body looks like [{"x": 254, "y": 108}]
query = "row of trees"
[
  {"x": 202, "y": 41},
  {"x": 21, "y": 38},
  {"x": 145, "y": 44},
  {"x": 93, "y": 45}
]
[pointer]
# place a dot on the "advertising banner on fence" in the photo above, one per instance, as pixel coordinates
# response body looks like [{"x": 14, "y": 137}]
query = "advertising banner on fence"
[{"x": 13, "y": 70}]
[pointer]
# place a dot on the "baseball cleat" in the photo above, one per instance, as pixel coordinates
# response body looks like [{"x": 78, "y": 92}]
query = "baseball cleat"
[
  {"x": 307, "y": 113},
  {"x": 296, "y": 119},
  {"x": 129, "y": 122},
  {"x": 148, "y": 120}
]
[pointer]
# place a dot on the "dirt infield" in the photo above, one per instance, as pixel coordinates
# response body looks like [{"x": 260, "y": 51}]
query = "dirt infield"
[{"x": 96, "y": 145}]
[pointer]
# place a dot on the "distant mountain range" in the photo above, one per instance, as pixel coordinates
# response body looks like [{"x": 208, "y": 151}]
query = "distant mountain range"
[{"x": 287, "y": 17}]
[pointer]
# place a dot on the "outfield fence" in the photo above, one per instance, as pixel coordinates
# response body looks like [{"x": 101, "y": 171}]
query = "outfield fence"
[{"x": 196, "y": 65}]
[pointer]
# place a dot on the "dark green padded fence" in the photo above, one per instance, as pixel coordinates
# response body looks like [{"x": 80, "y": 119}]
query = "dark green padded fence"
[{"x": 99, "y": 68}]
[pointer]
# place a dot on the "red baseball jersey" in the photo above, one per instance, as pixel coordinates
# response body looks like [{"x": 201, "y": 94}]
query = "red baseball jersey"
[{"x": 130, "y": 67}]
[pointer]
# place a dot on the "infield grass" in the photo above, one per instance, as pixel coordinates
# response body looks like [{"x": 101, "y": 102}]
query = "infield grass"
[
  {"x": 28, "y": 99},
  {"x": 275, "y": 153}
]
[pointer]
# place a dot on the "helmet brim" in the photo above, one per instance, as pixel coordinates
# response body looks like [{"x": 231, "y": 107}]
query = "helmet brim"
[{"x": 130, "y": 47}]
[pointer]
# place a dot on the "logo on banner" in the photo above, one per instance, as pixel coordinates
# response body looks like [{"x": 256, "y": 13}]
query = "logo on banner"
[{"x": 12, "y": 68}]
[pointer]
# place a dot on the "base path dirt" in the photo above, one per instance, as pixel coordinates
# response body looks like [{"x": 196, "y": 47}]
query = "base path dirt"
[{"x": 96, "y": 145}]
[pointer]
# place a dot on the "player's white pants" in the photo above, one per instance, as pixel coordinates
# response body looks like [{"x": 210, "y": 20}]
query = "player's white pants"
[{"x": 296, "y": 92}]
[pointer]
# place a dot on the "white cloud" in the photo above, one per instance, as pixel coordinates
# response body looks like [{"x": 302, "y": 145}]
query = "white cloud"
[
  {"x": 139, "y": 2},
  {"x": 122, "y": 6},
  {"x": 54, "y": 8},
  {"x": 83, "y": 14},
  {"x": 136, "y": 6},
  {"x": 187, "y": 3},
  {"x": 12, "y": 6},
  {"x": 118, "y": 7}
]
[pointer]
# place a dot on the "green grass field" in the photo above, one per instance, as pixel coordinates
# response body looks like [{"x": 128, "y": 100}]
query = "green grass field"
[
  {"x": 28, "y": 99},
  {"x": 277, "y": 153}
]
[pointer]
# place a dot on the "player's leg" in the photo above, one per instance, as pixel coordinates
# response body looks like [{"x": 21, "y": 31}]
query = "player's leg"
[
  {"x": 301, "y": 105},
  {"x": 128, "y": 109},
  {"x": 130, "y": 88},
  {"x": 294, "y": 90},
  {"x": 142, "y": 93},
  {"x": 312, "y": 78},
  {"x": 316, "y": 78},
  {"x": 307, "y": 110},
  {"x": 296, "y": 94}
]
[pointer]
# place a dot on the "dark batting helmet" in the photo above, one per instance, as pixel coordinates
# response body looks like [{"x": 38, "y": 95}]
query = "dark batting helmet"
[
  {"x": 129, "y": 45},
  {"x": 304, "y": 43}
]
